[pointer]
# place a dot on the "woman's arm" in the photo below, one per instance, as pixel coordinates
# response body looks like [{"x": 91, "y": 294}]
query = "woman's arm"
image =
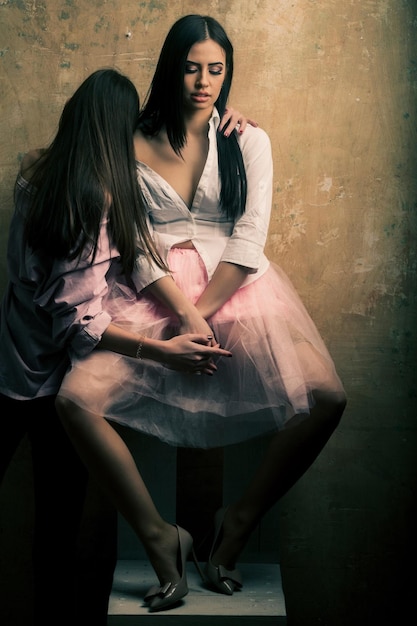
[
  {"x": 244, "y": 249},
  {"x": 189, "y": 352},
  {"x": 226, "y": 279},
  {"x": 190, "y": 319}
]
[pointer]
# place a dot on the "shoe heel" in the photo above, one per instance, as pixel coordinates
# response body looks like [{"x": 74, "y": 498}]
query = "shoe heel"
[{"x": 223, "y": 580}]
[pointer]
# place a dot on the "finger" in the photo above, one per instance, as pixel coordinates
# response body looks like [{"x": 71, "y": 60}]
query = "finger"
[
  {"x": 228, "y": 128},
  {"x": 228, "y": 112},
  {"x": 201, "y": 339},
  {"x": 221, "y": 351},
  {"x": 242, "y": 126}
]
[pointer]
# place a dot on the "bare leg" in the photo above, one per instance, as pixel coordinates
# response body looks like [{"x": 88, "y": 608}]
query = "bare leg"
[
  {"x": 108, "y": 458},
  {"x": 290, "y": 453}
]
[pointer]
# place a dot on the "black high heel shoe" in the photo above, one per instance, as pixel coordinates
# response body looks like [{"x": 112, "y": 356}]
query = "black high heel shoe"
[
  {"x": 160, "y": 598},
  {"x": 224, "y": 580}
]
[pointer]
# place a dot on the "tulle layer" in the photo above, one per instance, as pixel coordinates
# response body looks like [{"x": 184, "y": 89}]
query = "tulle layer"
[{"x": 278, "y": 359}]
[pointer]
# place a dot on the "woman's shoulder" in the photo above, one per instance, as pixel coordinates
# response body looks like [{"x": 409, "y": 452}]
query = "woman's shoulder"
[
  {"x": 255, "y": 132},
  {"x": 151, "y": 149},
  {"x": 29, "y": 161},
  {"x": 254, "y": 137}
]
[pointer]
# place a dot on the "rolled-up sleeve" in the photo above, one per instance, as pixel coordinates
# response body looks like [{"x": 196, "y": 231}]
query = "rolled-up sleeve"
[
  {"x": 72, "y": 294},
  {"x": 146, "y": 271},
  {"x": 247, "y": 241}
]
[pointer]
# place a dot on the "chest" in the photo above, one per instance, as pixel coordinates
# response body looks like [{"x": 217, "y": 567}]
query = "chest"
[{"x": 182, "y": 173}]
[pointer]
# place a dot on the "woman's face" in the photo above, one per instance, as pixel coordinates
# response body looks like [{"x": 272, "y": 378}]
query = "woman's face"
[{"x": 205, "y": 71}]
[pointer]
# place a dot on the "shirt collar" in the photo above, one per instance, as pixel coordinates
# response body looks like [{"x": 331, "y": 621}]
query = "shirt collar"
[{"x": 215, "y": 118}]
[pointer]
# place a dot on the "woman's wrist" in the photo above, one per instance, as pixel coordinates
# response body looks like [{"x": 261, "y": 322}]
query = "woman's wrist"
[
  {"x": 189, "y": 317},
  {"x": 139, "y": 348},
  {"x": 147, "y": 348}
]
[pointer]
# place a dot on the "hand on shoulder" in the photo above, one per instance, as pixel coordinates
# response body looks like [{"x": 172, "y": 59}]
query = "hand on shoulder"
[{"x": 234, "y": 119}]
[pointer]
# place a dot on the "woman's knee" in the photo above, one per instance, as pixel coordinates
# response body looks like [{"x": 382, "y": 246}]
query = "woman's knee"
[
  {"x": 330, "y": 404},
  {"x": 339, "y": 404},
  {"x": 64, "y": 408}
]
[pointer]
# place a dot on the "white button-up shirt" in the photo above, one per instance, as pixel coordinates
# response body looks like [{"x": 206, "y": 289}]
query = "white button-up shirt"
[{"x": 215, "y": 237}]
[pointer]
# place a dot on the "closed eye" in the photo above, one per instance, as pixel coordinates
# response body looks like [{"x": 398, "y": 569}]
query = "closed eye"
[{"x": 214, "y": 68}]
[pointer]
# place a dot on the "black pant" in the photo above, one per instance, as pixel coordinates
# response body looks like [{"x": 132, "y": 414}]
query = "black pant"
[{"x": 75, "y": 534}]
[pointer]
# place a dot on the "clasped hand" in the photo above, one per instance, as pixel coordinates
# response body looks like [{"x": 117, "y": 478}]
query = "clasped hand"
[{"x": 193, "y": 353}]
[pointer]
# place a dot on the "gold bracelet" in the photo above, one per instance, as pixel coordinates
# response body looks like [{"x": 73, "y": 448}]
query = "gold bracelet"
[{"x": 138, "y": 354}]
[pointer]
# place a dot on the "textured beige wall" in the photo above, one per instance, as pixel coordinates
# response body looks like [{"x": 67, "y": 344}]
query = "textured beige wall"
[{"x": 334, "y": 83}]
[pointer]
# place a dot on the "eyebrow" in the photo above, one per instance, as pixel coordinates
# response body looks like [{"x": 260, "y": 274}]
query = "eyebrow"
[{"x": 209, "y": 64}]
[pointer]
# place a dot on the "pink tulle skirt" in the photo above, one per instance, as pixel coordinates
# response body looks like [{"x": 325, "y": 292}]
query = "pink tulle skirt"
[{"x": 278, "y": 358}]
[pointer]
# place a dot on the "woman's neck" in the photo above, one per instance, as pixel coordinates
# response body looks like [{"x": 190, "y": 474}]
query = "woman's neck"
[{"x": 196, "y": 123}]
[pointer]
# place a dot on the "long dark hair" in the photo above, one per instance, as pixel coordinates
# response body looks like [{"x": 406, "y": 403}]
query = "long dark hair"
[
  {"x": 87, "y": 172},
  {"x": 164, "y": 105}
]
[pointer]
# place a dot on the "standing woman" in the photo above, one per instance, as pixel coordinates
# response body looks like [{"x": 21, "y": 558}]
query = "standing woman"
[
  {"x": 78, "y": 222},
  {"x": 209, "y": 203}
]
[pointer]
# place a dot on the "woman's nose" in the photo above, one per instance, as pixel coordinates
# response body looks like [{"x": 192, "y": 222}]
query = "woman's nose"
[{"x": 203, "y": 78}]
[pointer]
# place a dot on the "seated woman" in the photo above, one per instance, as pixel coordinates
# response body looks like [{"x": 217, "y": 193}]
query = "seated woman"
[{"x": 209, "y": 203}]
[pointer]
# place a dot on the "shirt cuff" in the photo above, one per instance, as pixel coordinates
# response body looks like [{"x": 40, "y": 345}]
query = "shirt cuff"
[
  {"x": 249, "y": 255},
  {"x": 146, "y": 273},
  {"x": 85, "y": 341}
]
